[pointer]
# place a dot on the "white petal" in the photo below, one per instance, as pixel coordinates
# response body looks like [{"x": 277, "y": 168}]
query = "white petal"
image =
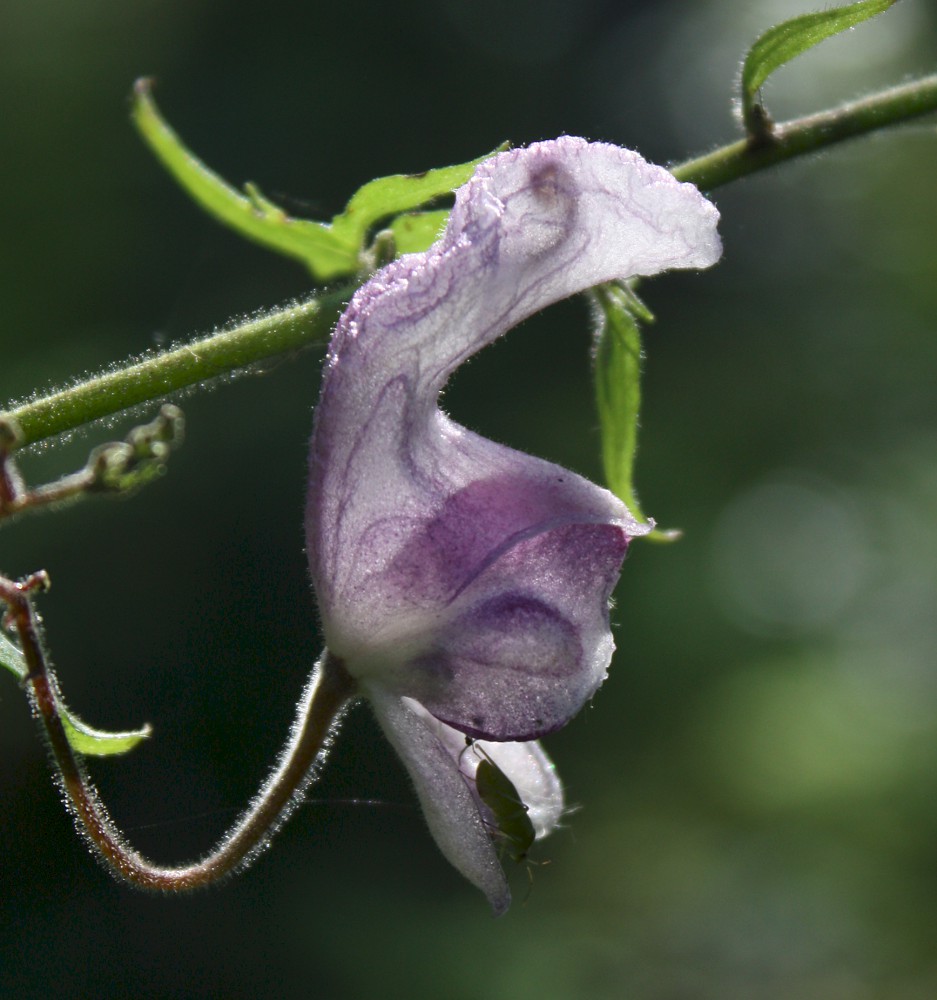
[{"x": 451, "y": 812}]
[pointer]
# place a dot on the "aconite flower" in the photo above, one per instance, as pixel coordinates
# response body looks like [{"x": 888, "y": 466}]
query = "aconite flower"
[{"x": 465, "y": 585}]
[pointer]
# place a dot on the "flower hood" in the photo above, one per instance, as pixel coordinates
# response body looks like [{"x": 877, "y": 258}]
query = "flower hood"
[{"x": 463, "y": 583}]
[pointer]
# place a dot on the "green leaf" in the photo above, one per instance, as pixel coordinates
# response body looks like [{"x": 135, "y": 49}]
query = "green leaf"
[
  {"x": 250, "y": 214},
  {"x": 417, "y": 231},
  {"x": 12, "y": 658},
  {"x": 618, "y": 357},
  {"x": 618, "y": 391},
  {"x": 387, "y": 196},
  {"x": 328, "y": 250},
  {"x": 782, "y": 43},
  {"x": 83, "y": 739},
  {"x": 96, "y": 742}
]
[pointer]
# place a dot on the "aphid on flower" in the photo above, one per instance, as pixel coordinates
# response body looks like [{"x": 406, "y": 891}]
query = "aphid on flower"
[{"x": 509, "y": 822}]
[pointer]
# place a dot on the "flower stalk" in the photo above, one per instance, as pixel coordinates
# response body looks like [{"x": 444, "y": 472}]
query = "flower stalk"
[{"x": 327, "y": 695}]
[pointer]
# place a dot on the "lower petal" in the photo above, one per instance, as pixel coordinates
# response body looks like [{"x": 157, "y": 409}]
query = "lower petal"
[
  {"x": 528, "y": 642},
  {"x": 425, "y": 747}
]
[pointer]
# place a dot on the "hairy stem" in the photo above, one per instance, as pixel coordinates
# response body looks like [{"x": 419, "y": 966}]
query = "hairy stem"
[
  {"x": 309, "y": 321},
  {"x": 323, "y": 702},
  {"x": 806, "y": 135},
  {"x": 275, "y": 333}
]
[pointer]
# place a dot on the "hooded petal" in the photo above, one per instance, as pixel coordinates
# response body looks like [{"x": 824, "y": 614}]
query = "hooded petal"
[{"x": 449, "y": 568}]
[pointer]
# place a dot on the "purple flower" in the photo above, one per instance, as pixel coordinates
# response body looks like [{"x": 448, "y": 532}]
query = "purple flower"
[{"x": 463, "y": 584}]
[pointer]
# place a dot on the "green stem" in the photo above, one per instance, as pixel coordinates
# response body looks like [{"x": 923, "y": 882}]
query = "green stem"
[
  {"x": 309, "y": 321},
  {"x": 275, "y": 333},
  {"x": 806, "y": 135}
]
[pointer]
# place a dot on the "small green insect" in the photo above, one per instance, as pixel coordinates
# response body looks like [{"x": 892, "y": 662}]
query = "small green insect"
[{"x": 512, "y": 825}]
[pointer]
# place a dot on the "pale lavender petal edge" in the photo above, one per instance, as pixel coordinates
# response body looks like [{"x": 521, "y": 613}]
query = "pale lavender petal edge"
[{"x": 448, "y": 804}]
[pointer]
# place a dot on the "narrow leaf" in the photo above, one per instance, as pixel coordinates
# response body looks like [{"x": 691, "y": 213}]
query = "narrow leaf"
[
  {"x": 415, "y": 232},
  {"x": 387, "y": 196},
  {"x": 329, "y": 250},
  {"x": 251, "y": 215},
  {"x": 96, "y": 742},
  {"x": 12, "y": 658},
  {"x": 782, "y": 43},
  {"x": 83, "y": 739},
  {"x": 618, "y": 391},
  {"x": 618, "y": 357}
]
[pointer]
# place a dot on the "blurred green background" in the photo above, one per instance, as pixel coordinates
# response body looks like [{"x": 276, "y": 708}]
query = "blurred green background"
[{"x": 758, "y": 777}]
